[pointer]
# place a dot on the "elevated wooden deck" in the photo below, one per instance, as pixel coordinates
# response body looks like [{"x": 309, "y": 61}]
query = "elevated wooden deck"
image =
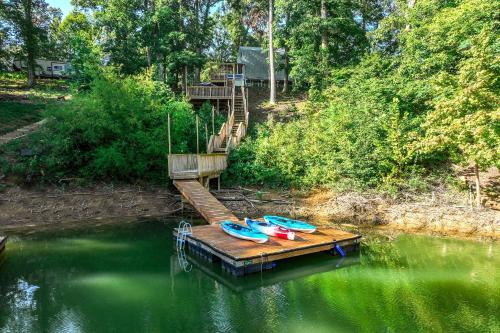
[
  {"x": 209, "y": 92},
  {"x": 196, "y": 166},
  {"x": 242, "y": 257},
  {"x": 204, "y": 202}
]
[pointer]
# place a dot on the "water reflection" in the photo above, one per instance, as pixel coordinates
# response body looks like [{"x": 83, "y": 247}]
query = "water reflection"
[
  {"x": 286, "y": 270},
  {"x": 128, "y": 278}
]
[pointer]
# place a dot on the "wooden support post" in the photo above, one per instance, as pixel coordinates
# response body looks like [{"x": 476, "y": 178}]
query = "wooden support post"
[
  {"x": 206, "y": 135},
  {"x": 213, "y": 118},
  {"x": 218, "y": 105},
  {"x": 197, "y": 136},
  {"x": 169, "y": 138},
  {"x": 185, "y": 79},
  {"x": 218, "y": 183}
]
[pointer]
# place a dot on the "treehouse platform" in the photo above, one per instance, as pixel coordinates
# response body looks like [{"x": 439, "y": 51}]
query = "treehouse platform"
[{"x": 240, "y": 257}]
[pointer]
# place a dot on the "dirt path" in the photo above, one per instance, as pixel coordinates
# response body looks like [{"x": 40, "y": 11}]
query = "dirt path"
[{"x": 21, "y": 132}]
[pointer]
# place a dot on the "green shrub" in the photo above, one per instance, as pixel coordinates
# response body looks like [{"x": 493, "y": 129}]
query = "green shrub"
[
  {"x": 115, "y": 131},
  {"x": 367, "y": 129}
]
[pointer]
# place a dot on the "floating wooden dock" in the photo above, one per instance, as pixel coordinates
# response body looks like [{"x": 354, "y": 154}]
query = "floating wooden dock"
[{"x": 240, "y": 257}]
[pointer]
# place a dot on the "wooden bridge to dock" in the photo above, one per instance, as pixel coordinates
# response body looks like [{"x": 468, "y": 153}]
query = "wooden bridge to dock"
[
  {"x": 191, "y": 175},
  {"x": 205, "y": 203}
]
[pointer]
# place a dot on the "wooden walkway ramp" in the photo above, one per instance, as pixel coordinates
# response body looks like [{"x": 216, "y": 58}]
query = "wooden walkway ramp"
[{"x": 204, "y": 202}]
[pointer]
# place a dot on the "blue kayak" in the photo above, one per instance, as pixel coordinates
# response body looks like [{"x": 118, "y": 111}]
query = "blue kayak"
[
  {"x": 270, "y": 229},
  {"x": 290, "y": 224},
  {"x": 239, "y": 231}
]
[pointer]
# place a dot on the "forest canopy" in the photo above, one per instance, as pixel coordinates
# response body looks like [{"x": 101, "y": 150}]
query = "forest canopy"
[
  {"x": 424, "y": 95},
  {"x": 398, "y": 90}
]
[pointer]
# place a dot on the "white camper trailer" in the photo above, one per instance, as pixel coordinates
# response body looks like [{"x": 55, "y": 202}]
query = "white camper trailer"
[{"x": 46, "y": 68}]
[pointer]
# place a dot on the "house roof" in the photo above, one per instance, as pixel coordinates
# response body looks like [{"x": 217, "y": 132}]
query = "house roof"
[{"x": 256, "y": 64}]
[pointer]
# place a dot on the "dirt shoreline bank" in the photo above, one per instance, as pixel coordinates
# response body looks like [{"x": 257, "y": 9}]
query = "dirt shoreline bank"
[{"x": 52, "y": 206}]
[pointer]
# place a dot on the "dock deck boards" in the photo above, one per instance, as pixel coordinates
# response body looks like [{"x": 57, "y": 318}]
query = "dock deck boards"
[
  {"x": 239, "y": 253},
  {"x": 204, "y": 202}
]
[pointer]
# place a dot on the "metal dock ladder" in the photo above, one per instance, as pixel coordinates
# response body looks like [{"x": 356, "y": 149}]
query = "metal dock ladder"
[{"x": 184, "y": 230}]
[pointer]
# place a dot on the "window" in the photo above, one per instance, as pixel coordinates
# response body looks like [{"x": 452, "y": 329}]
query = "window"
[
  {"x": 49, "y": 68},
  {"x": 58, "y": 68}
]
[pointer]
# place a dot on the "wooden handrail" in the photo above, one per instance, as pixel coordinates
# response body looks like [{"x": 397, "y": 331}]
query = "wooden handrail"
[
  {"x": 240, "y": 133},
  {"x": 245, "y": 105},
  {"x": 192, "y": 166},
  {"x": 212, "y": 92}
]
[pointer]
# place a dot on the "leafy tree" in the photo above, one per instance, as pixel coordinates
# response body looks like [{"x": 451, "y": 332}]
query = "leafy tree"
[
  {"x": 30, "y": 21},
  {"x": 313, "y": 52},
  {"x": 272, "y": 68},
  {"x": 397, "y": 117},
  {"x": 115, "y": 131},
  {"x": 466, "y": 118},
  {"x": 234, "y": 20},
  {"x": 221, "y": 44}
]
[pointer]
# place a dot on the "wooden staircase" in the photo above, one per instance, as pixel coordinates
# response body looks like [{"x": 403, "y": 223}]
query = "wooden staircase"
[
  {"x": 192, "y": 172},
  {"x": 234, "y": 129}
]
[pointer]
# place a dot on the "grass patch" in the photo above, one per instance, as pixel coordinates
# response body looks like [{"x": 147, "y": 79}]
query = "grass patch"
[
  {"x": 14, "y": 115},
  {"x": 20, "y": 105},
  {"x": 14, "y": 86}
]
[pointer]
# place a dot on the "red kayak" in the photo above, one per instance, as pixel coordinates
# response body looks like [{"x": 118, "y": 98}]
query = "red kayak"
[{"x": 270, "y": 229}]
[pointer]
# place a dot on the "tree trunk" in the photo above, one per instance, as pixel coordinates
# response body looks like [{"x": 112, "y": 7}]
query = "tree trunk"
[
  {"x": 30, "y": 41},
  {"x": 324, "y": 32},
  {"x": 31, "y": 70},
  {"x": 161, "y": 67},
  {"x": 272, "y": 72},
  {"x": 411, "y": 4},
  {"x": 478, "y": 186},
  {"x": 286, "y": 70},
  {"x": 148, "y": 48},
  {"x": 184, "y": 80}
]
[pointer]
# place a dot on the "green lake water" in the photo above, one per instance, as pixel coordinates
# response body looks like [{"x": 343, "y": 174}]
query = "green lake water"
[{"x": 128, "y": 278}]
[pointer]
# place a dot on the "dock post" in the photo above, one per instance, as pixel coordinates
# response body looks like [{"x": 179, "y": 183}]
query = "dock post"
[
  {"x": 197, "y": 137},
  {"x": 169, "y": 138},
  {"x": 206, "y": 135},
  {"x": 213, "y": 118}
]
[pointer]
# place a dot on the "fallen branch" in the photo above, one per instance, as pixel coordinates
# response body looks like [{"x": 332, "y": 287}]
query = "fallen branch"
[{"x": 250, "y": 202}]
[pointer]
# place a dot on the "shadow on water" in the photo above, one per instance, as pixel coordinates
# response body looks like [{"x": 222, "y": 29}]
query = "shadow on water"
[{"x": 286, "y": 270}]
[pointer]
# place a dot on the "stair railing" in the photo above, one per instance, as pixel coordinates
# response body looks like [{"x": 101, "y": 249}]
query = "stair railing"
[{"x": 245, "y": 105}]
